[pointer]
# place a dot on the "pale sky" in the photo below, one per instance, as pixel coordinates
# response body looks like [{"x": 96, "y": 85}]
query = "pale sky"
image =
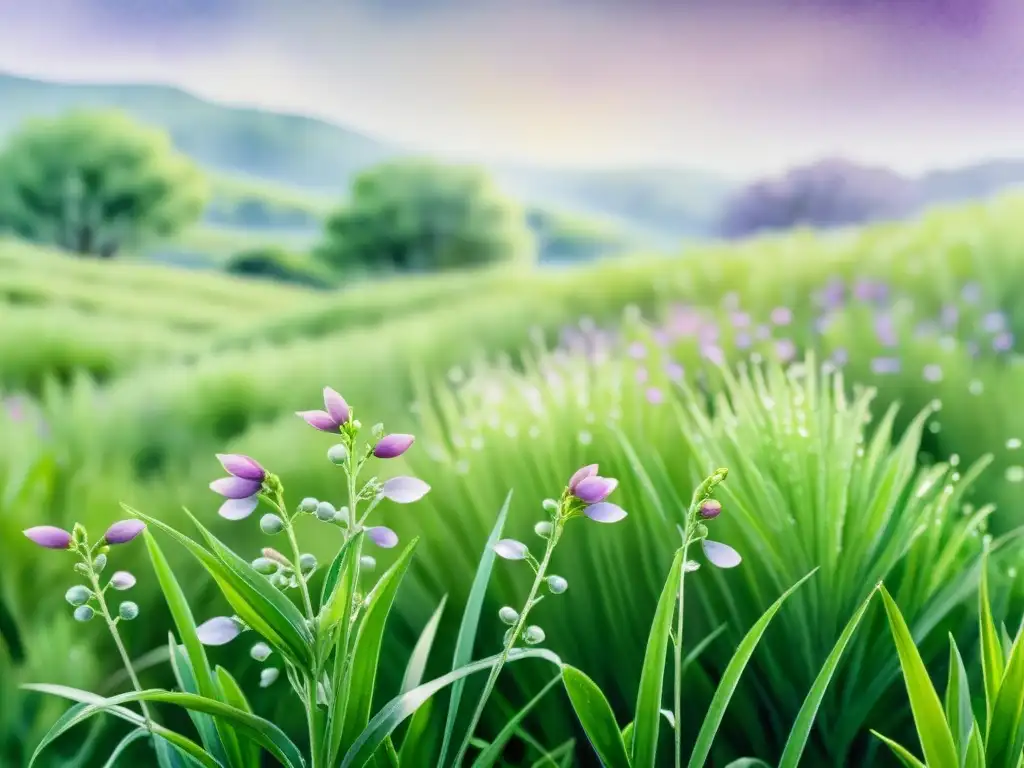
[{"x": 737, "y": 86}]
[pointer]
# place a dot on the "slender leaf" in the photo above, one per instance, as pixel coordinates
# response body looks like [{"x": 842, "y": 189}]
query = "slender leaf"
[
  {"x": 731, "y": 677},
  {"x": 1005, "y": 739},
  {"x": 264, "y": 732},
  {"x": 334, "y": 573},
  {"x": 801, "y": 729},
  {"x": 550, "y": 757},
  {"x": 929, "y": 717},
  {"x": 339, "y": 613},
  {"x": 362, "y": 673},
  {"x": 205, "y": 725},
  {"x": 420, "y": 739},
  {"x": 9, "y": 634},
  {"x": 421, "y": 651},
  {"x": 470, "y": 620},
  {"x": 596, "y": 716},
  {"x": 492, "y": 754},
  {"x": 975, "y": 748},
  {"x": 748, "y": 762},
  {"x": 958, "y": 702},
  {"x": 402, "y": 706},
  {"x": 647, "y": 720},
  {"x": 992, "y": 658},
  {"x": 902, "y": 753},
  {"x": 231, "y": 693},
  {"x": 123, "y": 744}
]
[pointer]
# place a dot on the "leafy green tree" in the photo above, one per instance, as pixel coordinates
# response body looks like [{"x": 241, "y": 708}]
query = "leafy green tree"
[
  {"x": 95, "y": 182},
  {"x": 275, "y": 263},
  {"x": 414, "y": 215}
]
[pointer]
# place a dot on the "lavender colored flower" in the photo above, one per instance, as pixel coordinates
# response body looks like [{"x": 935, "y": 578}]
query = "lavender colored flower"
[
  {"x": 713, "y": 354},
  {"x": 739, "y": 319},
  {"x": 245, "y": 467},
  {"x": 885, "y": 365},
  {"x": 655, "y": 396},
  {"x": 840, "y": 356},
  {"x": 382, "y": 536},
  {"x": 331, "y": 419},
  {"x": 971, "y": 293},
  {"x": 122, "y": 580},
  {"x": 674, "y": 371},
  {"x": 604, "y": 512},
  {"x": 1003, "y": 342},
  {"x": 49, "y": 536},
  {"x": 781, "y": 316},
  {"x": 392, "y": 446},
  {"x": 762, "y": 333},
  {"x": 580, "y": 475},
  {"x": 710, "y": 509},
  {"x": 721, "y": 555},
  {"x": 885, "y": 330},
  {"x": 932, "y": 372},
  {"x": 743, "y": 340},
  {"x": 592, "y": 490},
  {"x": 950, "y": 315},
  {"x": 785, "y": 349},
  {"x": 219, "y": 630},
  {"x": 637, "y": 350},
  {"x": 510, "y": 549},
  {"x": 404, "y": 490},
  {"x": 642, "y": 375},
  {"x": 123, "y": 531}
]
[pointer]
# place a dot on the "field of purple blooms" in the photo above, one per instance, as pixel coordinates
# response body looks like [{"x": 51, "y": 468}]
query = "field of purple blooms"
[{"x": 861, "y": 387}]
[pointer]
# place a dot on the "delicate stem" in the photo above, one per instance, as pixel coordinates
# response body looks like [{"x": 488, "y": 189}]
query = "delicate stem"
[
  {"x": 517, "y": 628},
  {"x": 303, "y": 587},
  {"x": 316, "y": 744},
  {"x": 677, "y": 694},
  {"x": 112, "y": 626}
]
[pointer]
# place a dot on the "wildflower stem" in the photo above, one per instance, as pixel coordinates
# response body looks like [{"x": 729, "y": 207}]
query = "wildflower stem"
[
  {"x": 517, "y": 629},
  {"x": 112, "y": 626},
  {"x": 313, "y": 717},
  {"x": 677, "y": 690},
  {"x": 296, "y": 555}
]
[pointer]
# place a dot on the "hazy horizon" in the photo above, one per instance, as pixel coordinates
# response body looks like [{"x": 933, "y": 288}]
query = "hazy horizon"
[{"x": 739, "y": 87}]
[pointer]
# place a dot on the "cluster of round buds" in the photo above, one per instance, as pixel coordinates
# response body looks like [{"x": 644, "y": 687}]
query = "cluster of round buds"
[
  {"x": 282, "y": 572},
  {"x": 708, "y": 509},
  {"x": 221, "y": 630}
]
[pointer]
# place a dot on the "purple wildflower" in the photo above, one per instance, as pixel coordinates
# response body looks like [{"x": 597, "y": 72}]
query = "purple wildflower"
[
  {"x": 123, "y": 531},
  {"x": 604, "y": 512},
  {"x": 383, "y": 537},
  {"x": 762, "y": 332},
  {"x": 49, "y": 536},
  {"x": 781, "y": 316},
  {"x": 885, "y": 365},
  {"x": 336, "y": 414},
  {"x": 392, "y": 446},
  {"x": 674, "y": 371},
  {"x": 840, "y": 356},
  {"x": 404, "y": 490},
  {"x": 932, "y": 372},
  {"x": 1003, "y": 342},
  {"x": 641, "y": 375},
  {"x": 971, "y": 293},
  {"x": 122, "y": 580},
  {"x": 710, "y": 509},
  {"x": 885, "y": 330},
  {"x": 721, "y": 555},
  {"x": 637, "y": 350},
  {"x": 592, "y": 490},
  {"x": 740, "y": 320},
  {"x": 785, "y": 349},
  {"x": 655, "y": 396},
  {"x": 743, "y": 340},
  {"x": 510, "y": 549},
  {"x": 241, "y": 488},
  {"x": 219, "y": 630},
  {"x": 713, "y": 354},
  {"x": 993, "y": 322},
  {"x": 237, "y": 465},
  {"x": 950, "y": 315},
  {"x": 580, "y": 475}
]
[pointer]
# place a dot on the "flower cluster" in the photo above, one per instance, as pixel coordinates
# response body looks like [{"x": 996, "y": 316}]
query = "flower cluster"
[{"x": 248, "y": 483}]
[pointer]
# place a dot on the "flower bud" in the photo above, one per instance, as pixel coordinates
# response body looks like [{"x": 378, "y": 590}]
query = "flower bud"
[
  {"x": 533, "y": 635},
  {"x": 710, "y": 509},
  {"x": 50, "y": 537},
  {"x": 78, "y": 595},
  {"x": 264, "y": 565},
  {"x": 557, "y": 584},
  {"x": 123, "y": 531},
  {"x": 122, "y": 580},
  {"x": 341, "y": 516},
  {"x": 99, "y": 563},
  {"x": 543, "y": 529},
  {"x": 84, "y": 613},
  {"x": 325, "y": 511},
  {"x": 690, "y": 566},
  {"x": 377, "y": 430},
  {"x": 337, "y": 454},
  {"x": 260, "y": 651},
  {"x": 308, "y": 505},
  {"x": 268, "y": 676},
  {"x": 357, "y": 424},
  {"x": 82, "y": 568},
  {"x": 508, "y": 615},
  {"x": 510, "y": 549},
  {"x": 392, "y": 446},
  {"x": 271, "y": 524},
  {"x": 279, "y": 580},
  {"x": 307, "y": 562},
  {"x": 128, "y": 610},
  {"x": 594, "y": 489},
  {"x": 701, "y": 531},
  {"x": 550, "y": 505},
  {"x": 367, "y": 562}
]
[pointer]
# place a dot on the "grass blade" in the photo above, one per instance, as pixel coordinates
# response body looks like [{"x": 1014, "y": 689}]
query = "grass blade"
[
  {"x": 647, "y": 720},
  {"x": 492, "y": 754},
  {"x": 421, "y": 651},
  {"x": 123, "y": 744},
  {"x": 596, "y": 716},
  {"x": 929, "y": 718},
  {"x": 1006, "y": 726},
  {"x": 731, "y": 677},
  {"x": 805, "y": 717},
  {"x": 902, "y": 753},
  {"x": 231, "y": 693},
  {"x": 362, "y": 674},
  {"x": 958, "y": 702},
  {"x": 402, "y": 706},
  {"x": 991, "y": 652},
  {"x": 470, "y": 620}
]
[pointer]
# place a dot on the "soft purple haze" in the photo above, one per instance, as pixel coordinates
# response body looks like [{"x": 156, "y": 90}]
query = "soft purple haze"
[{"x": 743, "y": 86}]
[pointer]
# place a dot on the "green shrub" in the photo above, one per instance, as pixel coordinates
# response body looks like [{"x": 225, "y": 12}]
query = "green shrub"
[{"x": 277, "y": 264}]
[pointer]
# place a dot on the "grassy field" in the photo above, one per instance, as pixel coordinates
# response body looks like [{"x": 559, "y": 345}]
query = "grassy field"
[{"x": 140, "y": 373}]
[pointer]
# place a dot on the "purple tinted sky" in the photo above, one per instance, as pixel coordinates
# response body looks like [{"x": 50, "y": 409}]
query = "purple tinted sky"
[{"x": 743, "y": 86}]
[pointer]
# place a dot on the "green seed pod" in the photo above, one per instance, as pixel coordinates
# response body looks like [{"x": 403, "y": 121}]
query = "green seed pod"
[
  {"x": 264, "y": 565},
  {"x": 325, "y": 511},
  {"x": 308, "y": 505},
  {"x": 78, "y": 595},
  {"x": 367, "y": 562},
  {"x": 337, "y": 454},
  {"x": 99, "y": 563},
  {"x": 128, "y": 610},
  {"x": 550, "y": 505},
  {"x": 271, "y": 524},
  {"x": 260, "y": 652},
  {"x": 307, "y": 562},
  {"x": 84, "y": 613},
  {"x": 508, "y": 615},
  {"x": 533, "y": 635},
  {"x": 557, "y": 584},
  {"x": 543, "y": 529}
]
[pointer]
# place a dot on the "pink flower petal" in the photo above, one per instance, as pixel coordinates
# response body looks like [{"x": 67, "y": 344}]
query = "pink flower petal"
[
  {"x": 238, "y": 509},
  {"x": 320, "y": 420},
  {"x": 242, "y": 466},
  {"x": 336, "y": 406},
  {"x": 49, "y": 536},
  {"x": 123, "y": 531},
  {"x": 721, "y": 555},
  {"x": 591, "y": 490},
  {"x": 235, "y": 487},
  {"x": 605, "y": 512},
  {"x": 383, "y": 537},
  {"x": 404, "y": 490},
  {"x": 581, "y": 474},
  {"x": 219, "y": 630},
  {"x": 392, "y": 446},
  {"x": 510, "y": 549}
]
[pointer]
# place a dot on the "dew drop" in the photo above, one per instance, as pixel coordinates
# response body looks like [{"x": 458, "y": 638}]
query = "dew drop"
[
  {"x": 1015, "y": 474},
  {"x": 1013, "y": 443}
]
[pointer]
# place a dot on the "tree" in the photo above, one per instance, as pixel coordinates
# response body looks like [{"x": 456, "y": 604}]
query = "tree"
[
  {"x": 829, "y": 193},
  {"x": 95, "y": 182},
  {"x": 417, "y": 215},
  {"x": 275, "y": 263}
]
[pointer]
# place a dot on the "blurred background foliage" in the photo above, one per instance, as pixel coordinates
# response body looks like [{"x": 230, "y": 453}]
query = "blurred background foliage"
[{"x": 177, "y": 277}]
